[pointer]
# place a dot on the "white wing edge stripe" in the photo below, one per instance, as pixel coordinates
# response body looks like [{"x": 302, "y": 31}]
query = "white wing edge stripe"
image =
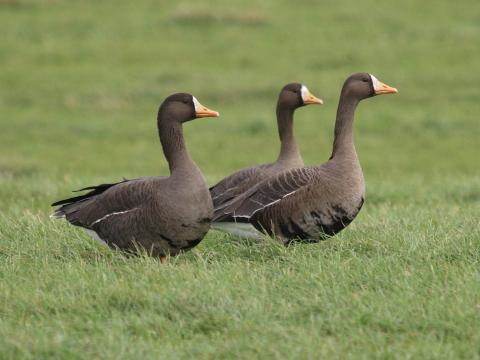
[
  {"x": 261, "y": 208},
  {"x": 241, "y": 216},
  {"x": 111, "y": 214},
  {"x": 266, "y": 205},
  {"x": 223, "y": 193}
]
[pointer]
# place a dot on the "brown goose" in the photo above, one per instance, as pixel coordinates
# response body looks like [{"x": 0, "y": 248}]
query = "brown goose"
[
  {"x": 291, "y": 97},
  {"x": 163, "y": 215},
  {"x": 313, "y": 202}
]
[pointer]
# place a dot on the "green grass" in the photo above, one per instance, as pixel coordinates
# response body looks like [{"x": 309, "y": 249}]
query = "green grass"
[{"x": 80, "y": 85}]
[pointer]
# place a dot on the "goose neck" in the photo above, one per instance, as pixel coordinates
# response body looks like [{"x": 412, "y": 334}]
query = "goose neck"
[
  {"x": 288, "y": 148},
  {"x": 343, "y": 144},
  {"x": 173, "y": 144}
]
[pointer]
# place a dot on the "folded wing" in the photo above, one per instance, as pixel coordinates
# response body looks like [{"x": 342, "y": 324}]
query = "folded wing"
[
  {"x": 102, "y": 201},
  {"x": 263, "y": 195}
]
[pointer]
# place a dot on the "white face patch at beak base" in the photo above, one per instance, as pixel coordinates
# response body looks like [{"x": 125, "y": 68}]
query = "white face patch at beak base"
[
  {"x": 375, "y": 82},
  {"x": 196, "y": 104},
  {"x": 304, "y": 91}
]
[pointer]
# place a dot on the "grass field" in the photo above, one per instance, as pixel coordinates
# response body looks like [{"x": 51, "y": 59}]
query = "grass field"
[{"x": 80, "y": 83}]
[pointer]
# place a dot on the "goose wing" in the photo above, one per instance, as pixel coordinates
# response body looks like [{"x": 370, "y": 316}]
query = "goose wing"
[
  {"x": 103, "y": 201},
  {"x": 236, "y": 184},
  {"x": 265, "y": 194}
]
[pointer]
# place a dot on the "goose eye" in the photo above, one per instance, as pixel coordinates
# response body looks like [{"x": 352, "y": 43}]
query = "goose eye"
[
  {"x": 185, "y": 101},
  {"x": 365, "y": 80}
]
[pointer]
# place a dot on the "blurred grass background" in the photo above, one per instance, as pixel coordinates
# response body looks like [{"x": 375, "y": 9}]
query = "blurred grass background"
[{"x": 81, "y": 82}]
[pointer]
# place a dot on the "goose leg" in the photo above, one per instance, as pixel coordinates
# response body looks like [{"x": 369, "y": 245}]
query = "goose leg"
[{"x": 163, "y": 259}]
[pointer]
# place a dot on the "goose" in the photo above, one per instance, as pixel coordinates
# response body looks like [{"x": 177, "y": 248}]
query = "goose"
[
  {"x": 163, "y": 215},
  {"x": 291, "y": 97},
  {"x": 309, "y": 203}
]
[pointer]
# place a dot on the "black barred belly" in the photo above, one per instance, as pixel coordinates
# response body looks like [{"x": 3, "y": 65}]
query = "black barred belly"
[{"x": 314, "y": 226}]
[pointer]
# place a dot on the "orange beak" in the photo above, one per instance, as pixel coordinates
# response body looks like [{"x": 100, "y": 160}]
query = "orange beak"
[
  {"x": 309, "y": 98},
  {"x": 381, "y": 88},
  {"x": 202, "y": 111}
]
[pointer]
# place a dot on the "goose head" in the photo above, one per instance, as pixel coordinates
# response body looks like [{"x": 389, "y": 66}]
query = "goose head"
[
  {"x": 295, "y": 95},
  {"x": 183, "y": 107},
  {"x": 364, "y": 85}
]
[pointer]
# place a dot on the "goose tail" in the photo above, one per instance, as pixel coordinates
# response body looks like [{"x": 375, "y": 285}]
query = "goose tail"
[{"x": 58, "y": 214}]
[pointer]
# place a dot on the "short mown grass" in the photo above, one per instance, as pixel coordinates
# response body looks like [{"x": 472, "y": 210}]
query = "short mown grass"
[{"x": 80, "y": 86}]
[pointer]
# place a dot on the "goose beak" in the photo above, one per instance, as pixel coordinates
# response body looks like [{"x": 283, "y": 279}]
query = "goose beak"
[
  {"x": 381, "y": 88},
  {"x": 308, "y": 98},
  {"x": 206, "y": 112},
  {"x": 313, "y": 100},
  {"x": 385, "y": 89},
  {"x": 202, "y": 111}
]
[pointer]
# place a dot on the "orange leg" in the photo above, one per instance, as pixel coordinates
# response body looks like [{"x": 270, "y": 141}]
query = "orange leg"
[{"x": 163, "y": 259}]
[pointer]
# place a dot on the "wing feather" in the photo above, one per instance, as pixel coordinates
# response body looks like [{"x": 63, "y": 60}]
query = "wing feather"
[
  {"x": 237, "y": 183},
  {"x": 103, "y": 201},
  {"x": 264, "y": 194}
]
